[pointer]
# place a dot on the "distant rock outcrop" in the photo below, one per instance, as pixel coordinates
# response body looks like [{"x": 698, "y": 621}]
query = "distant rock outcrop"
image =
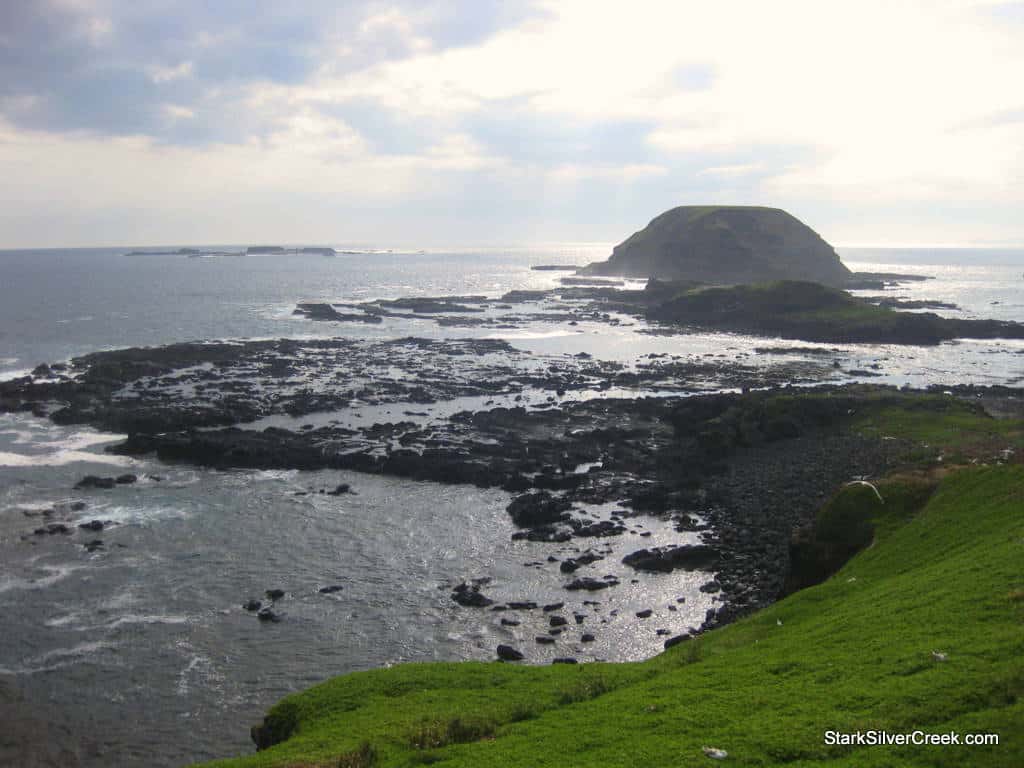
[{"x": 725, "y": 244}]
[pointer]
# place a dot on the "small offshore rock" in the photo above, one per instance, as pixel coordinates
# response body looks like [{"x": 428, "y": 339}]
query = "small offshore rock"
[
  {"x": 125, "y": 479},
  {"x": 590, "y": 585},
  {"x": 274, "y": 594},
  {"x": 94, "y": 481},
  {"x": 330, "y": 590},
  {"x": 51, "y": 529},
  {"x": 470, "y": 596},
  {"x": 268, "y": 614},
  {"x": 252, "y": 604},
  {"x": 92, "y": 525}
]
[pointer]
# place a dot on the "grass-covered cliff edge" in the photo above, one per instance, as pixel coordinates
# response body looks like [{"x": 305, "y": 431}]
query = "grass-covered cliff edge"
[{"x": 921, "y": 630}]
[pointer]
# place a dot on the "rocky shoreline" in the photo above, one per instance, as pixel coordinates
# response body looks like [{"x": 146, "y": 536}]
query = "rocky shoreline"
[{"x": 745, "y": 471}]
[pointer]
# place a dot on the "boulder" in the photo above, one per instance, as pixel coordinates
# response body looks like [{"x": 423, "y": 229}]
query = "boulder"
[
  {"x": 508, "y": 653},
  {"x": 688, "y": 557}
]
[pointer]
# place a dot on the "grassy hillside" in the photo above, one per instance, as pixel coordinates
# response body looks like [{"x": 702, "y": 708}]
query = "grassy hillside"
[
  {"x": 806, "y": 310},
  {"x": 945, "y": 572}
]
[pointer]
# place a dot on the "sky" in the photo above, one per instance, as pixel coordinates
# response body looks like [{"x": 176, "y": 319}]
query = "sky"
[{"x": 497, "y": 122}]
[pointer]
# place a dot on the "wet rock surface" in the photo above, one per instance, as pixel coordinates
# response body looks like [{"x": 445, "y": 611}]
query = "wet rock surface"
[{"x": 737, "y": 471}]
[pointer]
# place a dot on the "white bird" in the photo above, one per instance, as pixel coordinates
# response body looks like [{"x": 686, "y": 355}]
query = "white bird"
[
  {"x": 778, "y": 622},
  {"x": 869, "y": 485},
  {"x": 714, "y": 753},
  {"x": 939, "y": 656}
]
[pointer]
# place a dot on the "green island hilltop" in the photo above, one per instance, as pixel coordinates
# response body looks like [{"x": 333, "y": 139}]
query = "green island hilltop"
[{"x": 725, "y": 244}]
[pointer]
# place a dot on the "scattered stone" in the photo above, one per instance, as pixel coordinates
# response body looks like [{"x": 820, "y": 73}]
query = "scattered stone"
[
  {"x": 564, "y": 660},
  {"x": 51, "y": 529},
  {"x": 711, "y": 588},
  {"x": 340, "y": 489},
  {"x": 470, "y": 596},
  {"x": 553, "y": 607},
  {"x": 544, "y": 640},
  {"x": 644, "y": 614},
  {"x": 508, "y": 653},
  {"x": 558, "y": 621},
  {"x": 587, "y": 638},
  {"x": 522, "y": 606},
  {"x": 509, "y": 622},
  {"x": 666, "y": 559},
  {"x": 93, "y": 481},
  {"x": 676, "y": 640},
  {"x": 590, "y": 585}
]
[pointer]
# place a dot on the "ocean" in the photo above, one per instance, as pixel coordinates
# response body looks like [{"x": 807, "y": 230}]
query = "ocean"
[{"x": 142, "y": 653}]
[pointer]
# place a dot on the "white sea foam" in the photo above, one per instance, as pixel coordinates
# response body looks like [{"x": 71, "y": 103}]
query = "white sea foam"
[
  {"x": 54, "y": 574},
  {"x": 137, "y": 514}
]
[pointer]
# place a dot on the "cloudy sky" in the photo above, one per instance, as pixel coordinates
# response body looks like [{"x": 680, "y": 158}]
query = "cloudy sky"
[{"x": 424, "y": 123}]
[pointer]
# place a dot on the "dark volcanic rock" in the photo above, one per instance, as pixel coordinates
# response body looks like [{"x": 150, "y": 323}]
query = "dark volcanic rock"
[
  {"x": 570, "y": 565},
  {"x": 252, "y": 604},
  {"x": 470, "y": 596},
  {"x": 275, "y": 594},
  {"x": 676, "y": 640},
  {"x": 508, "y": 653},
  {"x": 665, "y": 559},
  {"x": 330, "y": 590},
  {"x": 92, "y": 525},
  {"x": 126, "y": 479},
  {"x": 539, "y": 508},
  {"x": 92, "y": 481},
  {"x": 51, "y": 529},
  {"x": 329, "y": 313},
  {"x": 725, "y": 244},
  {"x": 590, "y": 585},
  {"x": 268, "y": 614}
]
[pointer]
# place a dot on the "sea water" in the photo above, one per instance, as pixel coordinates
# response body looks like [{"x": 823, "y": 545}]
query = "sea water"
[{"x": 140, "y": 650}]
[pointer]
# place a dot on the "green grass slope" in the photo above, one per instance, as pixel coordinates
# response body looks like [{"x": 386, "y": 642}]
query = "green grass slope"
[{"x": 945, "y": 572}]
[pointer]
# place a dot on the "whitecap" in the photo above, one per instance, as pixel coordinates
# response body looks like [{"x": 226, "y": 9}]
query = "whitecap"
[
  {"x": 59, "y": 458},
  {"x": 55, "y": 573}
]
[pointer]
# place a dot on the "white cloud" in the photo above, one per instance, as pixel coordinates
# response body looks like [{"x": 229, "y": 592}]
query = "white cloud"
[
  {"x": 731, "y": 171},
  {"x": 178, "y": 112},
  {"x": 574, "y": 172},
  {"x": 793, "y": 102},
  {"x": 159, "y": 74}
]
